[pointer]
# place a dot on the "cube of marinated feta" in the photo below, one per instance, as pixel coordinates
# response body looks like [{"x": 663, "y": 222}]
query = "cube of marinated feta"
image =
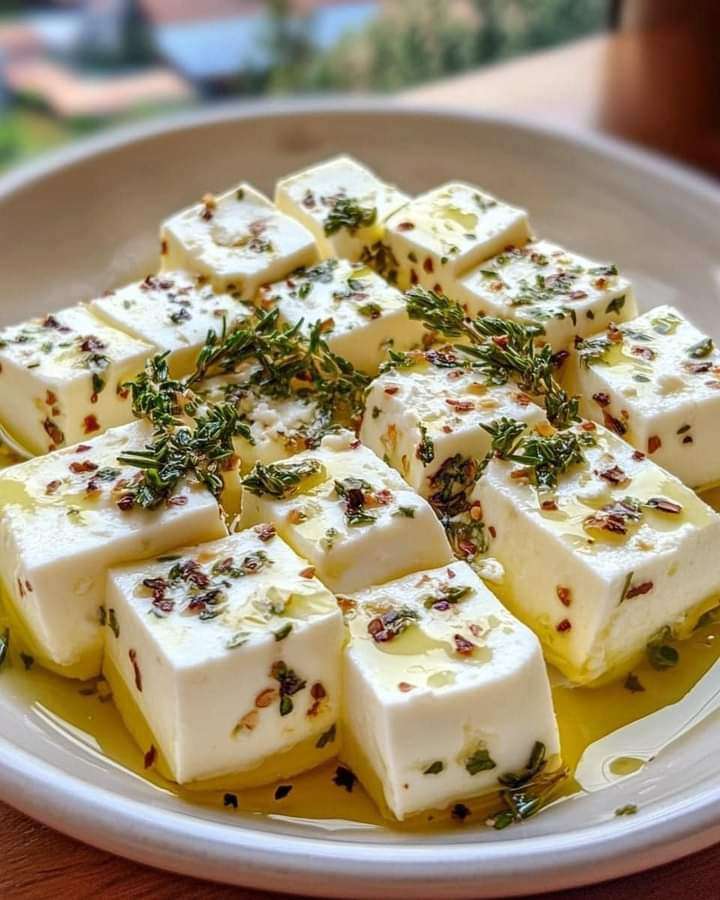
[
  {"x": 62, "y": 524},
  {"x": 237, "y": 241},
  {"x": 425, "y": 418},
  {"x": 363, "y": 316},
  {"x": 439, "y": 236},
  {"x": 173, "y": 313},
  {"x": 618, "y": 551},
  {"x": 656, "y": 382},
  {"x": 62, "y": 377},
  {"x": 444, "y": 691},
  {"x": 230, "y": 652},
  {"x": 279, "y": 427},
  {"x": 342, "y": 203},
  {"x": 348, "y": 513},
  {"x": 543, "y": 284}
]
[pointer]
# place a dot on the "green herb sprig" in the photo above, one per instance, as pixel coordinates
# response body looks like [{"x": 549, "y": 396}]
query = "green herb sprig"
[{"x": 502, "y": 349}]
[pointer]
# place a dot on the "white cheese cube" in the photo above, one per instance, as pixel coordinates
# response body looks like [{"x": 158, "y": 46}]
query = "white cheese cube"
[
  {"x": 599, "y": 565},
  {"x": 544, "y": 284},
  {"x": 173, "y": 313},
  {"x": 425, "y": 418},
  {"x": 439, "y": 236},
  {"x": 61, "y": 528},
  {"x": 62, "y": 377},
  {"x": 342, "y": 203},
  {"x": 230, "y": 652},
  {"x": 237, "y": 241},
  {"x": 363, "y": 316},
  {"x": 279, "y": 427},
  {"x": 444, "y": 691},
  {"x": 348, "y": 513},
  {"x": 656, "y": 382}
]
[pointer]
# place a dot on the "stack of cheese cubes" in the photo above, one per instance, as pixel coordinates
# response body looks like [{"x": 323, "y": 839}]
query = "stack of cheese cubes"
[{"x": 334, "y": 618}]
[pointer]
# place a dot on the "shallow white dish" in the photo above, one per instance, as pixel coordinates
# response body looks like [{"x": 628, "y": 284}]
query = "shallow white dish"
[{"x": 86, "y": 219}]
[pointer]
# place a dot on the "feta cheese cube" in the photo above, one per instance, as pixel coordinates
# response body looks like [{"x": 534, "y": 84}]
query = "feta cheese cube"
[
  {"x": 279, "y": 426},
  {"x": 237, "y": 241},
  {"x": 342, "y": 203},
  {"x": 173, "y": 312},
  {"x": 348, "y": 513},
  {"x": 61, "y": 528},
  {"x": 616, "y": 552},
  {"x": 439, "y": 236},
  {"x": 363, "y": 316},
  {"x": 543, "y": 284},
  {"x": 230, "y": 652},
  {"x": 425, "y": 417},
  {"x": 62, "y": 377},
  {"x": 444, "y": 691},
  {"x": 656, "y": 382}
]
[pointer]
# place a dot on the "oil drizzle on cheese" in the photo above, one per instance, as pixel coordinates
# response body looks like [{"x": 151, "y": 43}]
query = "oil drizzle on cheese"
[{"x": 85, "y": 717}]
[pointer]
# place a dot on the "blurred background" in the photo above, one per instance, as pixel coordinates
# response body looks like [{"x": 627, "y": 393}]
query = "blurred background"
[{"x": 648, "y": 70}]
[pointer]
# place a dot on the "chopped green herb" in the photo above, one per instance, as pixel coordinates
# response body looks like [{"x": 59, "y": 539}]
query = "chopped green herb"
[
  {"x": 283, "y": 632},
  {"x": 479, "y": 761},
  {"x": 327, "y": 737},
  {"x": 435, "y": 768},
  {"x": 628, "y": 810},
  {"x": 283, "y": 479},
  {"x": 660, "y": 653},
  {"x": 347, "y": 213}
]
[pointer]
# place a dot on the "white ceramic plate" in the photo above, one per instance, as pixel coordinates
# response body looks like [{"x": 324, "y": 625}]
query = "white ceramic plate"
[{"x": 86, "y": 220}]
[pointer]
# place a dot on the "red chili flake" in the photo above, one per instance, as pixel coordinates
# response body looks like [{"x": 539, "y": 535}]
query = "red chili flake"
[
  {"x": 664, "y": 505},
  {"x": 405, "y": 686},
  {"x": 460, "y": 405},
  {"x": 392, "y": 389},
  {"x": 163, "y": 248},
  {"x": 86, "y": 466},
  {"x": 90, "y": 424},
  {"x": 500, "y": 340},
  {"x": 577, "y": 295},
  {"x": 613, "y": 474},
  {"x": 462, "y": 645},
  {"x": 687, "y": 439},
  {"x": 21, "y": 587},
  {"x": 405, "y": 226},
  {"x": 28, "y": 586},
  {"x": 150, "y": 757},
  {"x": 654, "y": 443},
  {"x": 317, "y": 691},
  {"x": 548, "y": 505},
  {"x": 123, "y": 392},
  {"x": 52, "y": 486},
  {"x": 522, "y": 399},
  {"x": 643, "y": 352},
  {"x": 308, "y": 200},
  {"x": 638, "y": 589},
  {"x": 354, "y": 444},
  {"x": 428, "y": 264},
  {"x": 613, "y": 424},
  {"x": 601, "y": 398},
  {"x": 136, "y": 669},
  {"x": 346, "y": 604},
  {"x": 493, "y": 532},
  {"x": 50, "y": 322},
  {"x": 587, "y": 425},
  {"x": 450, "y": 573},
  {"x": 564, "y": 595},
  {"x": 50, "y": 398},
  {"x": 638, "y": 455},
  {"x": 92, "y": 344},
  {"x": 447, "y": 429},
  {"x": 437, "y": 287},
  {"x": 383, "y": 497},
  {"x": 413, "y": 277},
  {"x": 565, "y": 625},
  {"x": 467, "y": 548},
  {"x": 126, "y": 502},
  {"x": 309, "y": 572},
  {"x": 265, "y": 532},
  {"x": 53, "y": 432},
  {"x": 180, "y": 500}
]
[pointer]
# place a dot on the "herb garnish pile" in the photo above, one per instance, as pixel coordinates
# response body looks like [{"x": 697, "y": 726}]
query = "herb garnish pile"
[
  {"x": 194, "y": 435},
  {"x": 503, "y": 350}
]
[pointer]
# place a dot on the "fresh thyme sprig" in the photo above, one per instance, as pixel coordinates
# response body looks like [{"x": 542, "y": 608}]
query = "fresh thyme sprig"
[
  {"x": 502, "y": 349},
  {"x": 545, "y": 458},
  {"x": 283, "y": 479},
  {"x": 347, "y": 213}
]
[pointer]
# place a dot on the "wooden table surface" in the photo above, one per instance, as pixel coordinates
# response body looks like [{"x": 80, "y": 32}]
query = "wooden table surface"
[{"x": 600, "y": 83}]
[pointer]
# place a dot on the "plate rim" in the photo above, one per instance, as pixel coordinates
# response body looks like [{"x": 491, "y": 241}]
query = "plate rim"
[{"x": 316, "y": 866}]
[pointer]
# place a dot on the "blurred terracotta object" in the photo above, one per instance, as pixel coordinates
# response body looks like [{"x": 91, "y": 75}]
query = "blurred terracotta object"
[{"x": 661, "y": 79}]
